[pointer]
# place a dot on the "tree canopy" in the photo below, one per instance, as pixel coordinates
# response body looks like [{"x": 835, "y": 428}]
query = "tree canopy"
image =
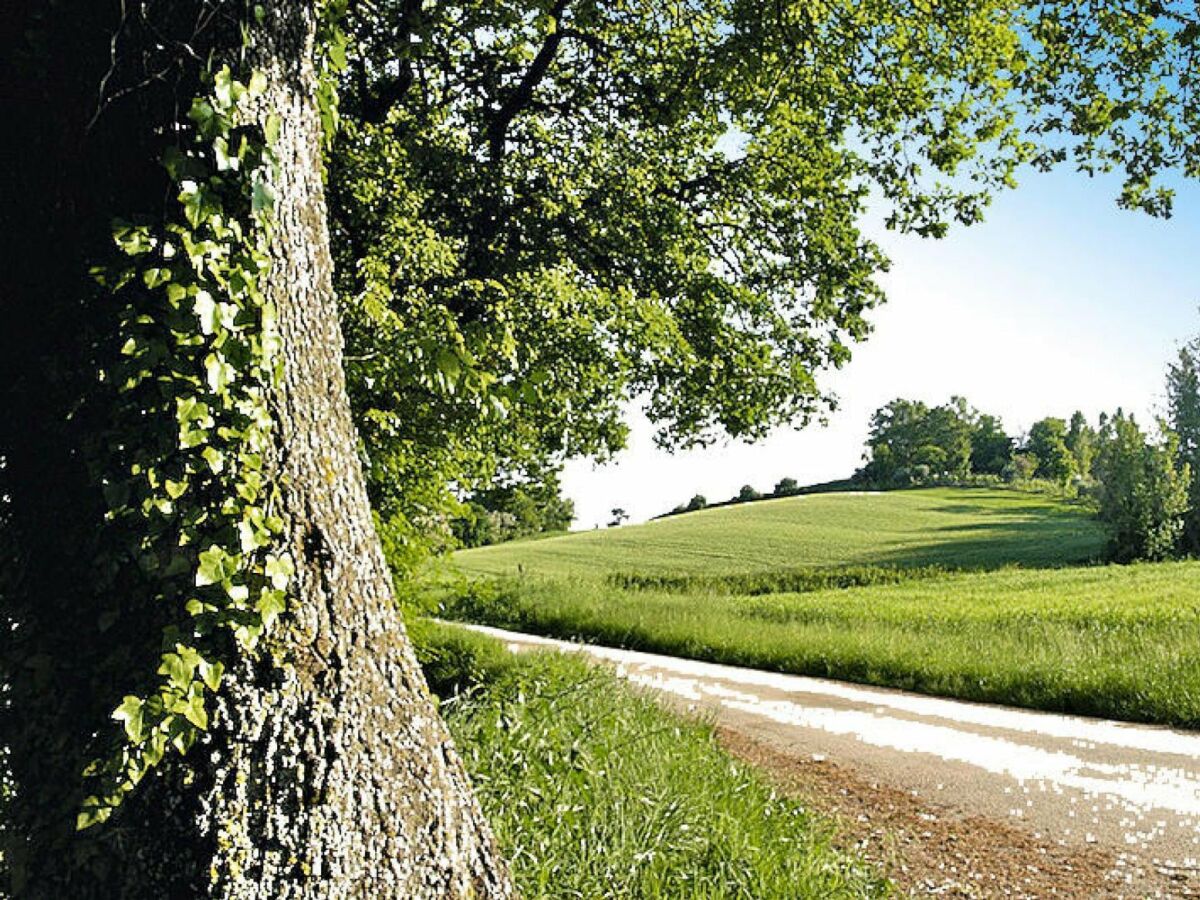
[{"x": 545, "y": 209}]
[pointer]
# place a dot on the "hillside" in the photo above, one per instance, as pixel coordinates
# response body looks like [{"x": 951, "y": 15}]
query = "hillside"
[{"x": 970, "y": 528}]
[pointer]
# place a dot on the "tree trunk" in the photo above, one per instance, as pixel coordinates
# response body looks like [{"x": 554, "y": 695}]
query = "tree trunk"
[
  {"x": 327, "y": 771},
  {"x": 343, "y": 738}
]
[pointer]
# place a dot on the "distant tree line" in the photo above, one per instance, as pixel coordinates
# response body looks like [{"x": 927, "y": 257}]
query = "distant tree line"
[
  {"x": 513, "y": 510},
  {"x": 785, "y": 487},
  {"x": 1145, "y": 484}
]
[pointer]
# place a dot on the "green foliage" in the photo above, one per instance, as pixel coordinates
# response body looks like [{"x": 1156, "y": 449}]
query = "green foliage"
[
  {"x": 596, "y": 791},
  {"x": 912, "y": 443},
  {"x": 949, "y": 527},
  {"x": 747, "y": 494},
  {"x": 510, "y": 511},
  {"x": 1112, "y": 641},
  {"x": 541, "y": 211},
  {"x": 790, "y": 580},
  {"x": 1144, "y": 493},
  {"x": 991, "y": 447},
  {"x": 1081, "y": 440},
  {"x": 1047, "y": 445},
  {"x": 785, "y": 487},
  {"x": 1183, "y": 412},
  {"x": 183, "y": 466},
  {"x": 455, "y": 660}
]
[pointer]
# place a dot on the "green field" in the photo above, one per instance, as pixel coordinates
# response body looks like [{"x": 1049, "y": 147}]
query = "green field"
[
  {"x": 595, "y": 791},
  {"x": 1116, "y": 641},
  {"x": 1109, "y": 641},
  {"x": 952, "y": 527}
]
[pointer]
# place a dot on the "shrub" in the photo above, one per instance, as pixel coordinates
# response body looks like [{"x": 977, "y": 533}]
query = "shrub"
[{"x": 747, "y": 494}]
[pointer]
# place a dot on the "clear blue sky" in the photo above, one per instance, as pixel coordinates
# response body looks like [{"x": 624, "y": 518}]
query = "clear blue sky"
[{"x": 1058, "y": 301}]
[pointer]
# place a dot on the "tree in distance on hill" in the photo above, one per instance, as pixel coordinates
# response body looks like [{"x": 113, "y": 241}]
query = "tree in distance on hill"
[
  {"x": 785, "y": 487},
  {"x": 747, "y": 493}
]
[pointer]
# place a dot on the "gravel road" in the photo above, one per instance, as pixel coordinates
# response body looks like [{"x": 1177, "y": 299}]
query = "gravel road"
[{"x": 1071, "y": 787}]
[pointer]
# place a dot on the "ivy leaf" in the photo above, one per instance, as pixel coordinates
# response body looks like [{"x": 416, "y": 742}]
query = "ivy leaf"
[
  {"x": 279, "y": 569},
  {"x": 262, "y": 197},
  {"x": 195, "y": 712},
  {"x": 218, "y": 372},
  {"x": 216, "y": 566},
  {"x": 214, "y": 458},
  {"x": 205, "y": 308},
  {"x": 270, "y": 605},
  {"x": 211, "y": 673},
  {"x": 93, "y": 813},
  {"x": 130, "y": 714},
  {"x": 177, "y": 671}
]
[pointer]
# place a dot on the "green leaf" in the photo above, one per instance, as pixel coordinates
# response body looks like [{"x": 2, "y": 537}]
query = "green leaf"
[
  {"x": 262, "y": 196},
  {"x": 215, "y": 566},
  {"x": 271, "y": 604},
  {"x": 195, "y": 712},
  {"x": 93, "y": 813},
  {"x": 279, "y": 569},
  {"x": 130, "y": 714},
  {"x": 214, "y": 457},
  {"x": 211, "y": 673},
  {"x": 272, "y": 127}
]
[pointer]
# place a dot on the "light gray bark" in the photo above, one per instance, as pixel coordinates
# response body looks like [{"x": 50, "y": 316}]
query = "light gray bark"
[{"x": 335, "y": 776}]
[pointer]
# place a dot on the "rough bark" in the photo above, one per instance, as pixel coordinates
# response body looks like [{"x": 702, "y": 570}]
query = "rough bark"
[
  {"x": 342, "y": 778},
  {"x": 327, "y": 772}
]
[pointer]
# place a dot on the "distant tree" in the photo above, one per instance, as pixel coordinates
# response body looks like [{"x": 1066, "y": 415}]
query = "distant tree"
[
  {"x": 618, "y": 517},
  {"x": 1048, "y": 446},
  {"x": 517, "y": 509},
  {"x": 1020, "y": 467},
  {"x": 697, "y": 502},
  {"x": 785, "y": 487},
  {"x": 991, "y": 447},
  {"x": 908, "y": 438},
  {"x": 747, "y": 494},
  {"x": 1144, "y": 494},
  {"x": 1081, "y": 441},
  {"x": 1183, "y": 410}
]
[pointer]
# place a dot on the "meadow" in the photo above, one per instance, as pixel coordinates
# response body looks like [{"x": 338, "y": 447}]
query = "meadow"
[
  {"x": 596, "y": 791},
  {"x": 966, "y": 528},
  {"x": 1019, "y": 626}
]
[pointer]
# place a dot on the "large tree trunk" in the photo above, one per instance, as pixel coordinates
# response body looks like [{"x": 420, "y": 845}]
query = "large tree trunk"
[
  {"x": 327, "y": 771},
  {"x": 340, "y": 766}
]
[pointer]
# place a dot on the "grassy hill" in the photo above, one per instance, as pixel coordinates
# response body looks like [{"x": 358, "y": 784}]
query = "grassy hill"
[
  {"x": 968, "y": 528},
  {"x": 968, "y": 593}
]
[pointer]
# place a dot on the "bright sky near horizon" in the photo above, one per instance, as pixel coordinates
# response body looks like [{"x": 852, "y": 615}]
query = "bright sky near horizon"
[{"x": 1058, "y": 301}]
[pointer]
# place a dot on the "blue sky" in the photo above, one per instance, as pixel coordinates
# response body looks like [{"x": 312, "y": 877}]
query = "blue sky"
[{"x": 1058, "y": 301}]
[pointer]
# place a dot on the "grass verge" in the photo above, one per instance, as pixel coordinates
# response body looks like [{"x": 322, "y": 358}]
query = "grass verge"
[
  {"x": 1112, "y": 641},
  {"x": 595, "y": 791}
]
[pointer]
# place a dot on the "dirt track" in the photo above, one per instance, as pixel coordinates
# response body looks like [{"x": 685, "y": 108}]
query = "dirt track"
[{"x": 956, "y": 799}]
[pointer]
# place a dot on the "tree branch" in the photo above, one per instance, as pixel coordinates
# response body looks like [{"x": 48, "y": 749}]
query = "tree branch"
[{"x": 520, "y": 96}]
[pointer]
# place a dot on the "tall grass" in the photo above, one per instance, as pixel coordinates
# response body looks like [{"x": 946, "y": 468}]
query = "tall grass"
[
  {"x": 595, "y": 791},
  {"x": 1114, "y": 641}
]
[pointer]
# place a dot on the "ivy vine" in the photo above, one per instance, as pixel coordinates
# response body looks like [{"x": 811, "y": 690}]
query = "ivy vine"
[{"x": 196, "y": 507}]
